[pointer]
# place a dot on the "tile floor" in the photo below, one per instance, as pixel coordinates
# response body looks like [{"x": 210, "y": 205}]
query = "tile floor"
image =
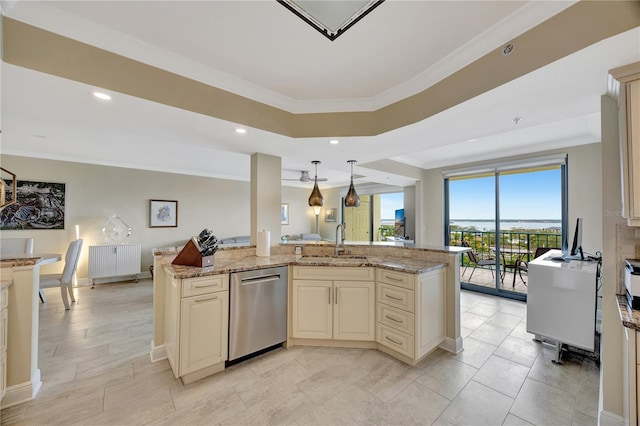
[
  {"x": 485, "y": 278},
  {"x": 96, "y": 370}
]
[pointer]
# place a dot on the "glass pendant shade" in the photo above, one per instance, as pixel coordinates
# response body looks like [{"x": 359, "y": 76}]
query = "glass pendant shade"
[
  {"x": 351, "y": 199},
  {"x": 315, "y": 199}
]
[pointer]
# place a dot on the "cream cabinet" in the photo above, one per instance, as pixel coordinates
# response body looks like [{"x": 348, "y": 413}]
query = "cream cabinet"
[
  {"x": 631, "y": 375},
  {"x": 627, "y": 87},
  {"x": 4, "y": 302},
  {"x": 196, "y": 325},
  {"x": 410, "y": 313},
  {"x": 333, "y": 303}
]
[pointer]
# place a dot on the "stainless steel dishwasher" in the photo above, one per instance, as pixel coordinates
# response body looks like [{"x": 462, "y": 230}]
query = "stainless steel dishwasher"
[{"x": 257, "y": 310}]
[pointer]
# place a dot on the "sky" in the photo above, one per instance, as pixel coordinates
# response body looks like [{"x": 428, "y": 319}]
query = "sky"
[
  {"x": 534, "y": 195},
  {"x": 389, "y": 203}
]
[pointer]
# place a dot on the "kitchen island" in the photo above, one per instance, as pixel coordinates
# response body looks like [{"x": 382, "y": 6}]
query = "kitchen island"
[{"x": 405, "y": 300}]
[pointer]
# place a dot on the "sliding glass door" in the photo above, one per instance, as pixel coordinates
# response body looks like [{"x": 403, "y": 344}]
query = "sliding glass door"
[{"x": 505, "y": 216}]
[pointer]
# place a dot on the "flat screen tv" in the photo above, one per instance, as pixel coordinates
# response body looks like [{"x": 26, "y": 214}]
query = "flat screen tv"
[{"x": 399, "y": 223}]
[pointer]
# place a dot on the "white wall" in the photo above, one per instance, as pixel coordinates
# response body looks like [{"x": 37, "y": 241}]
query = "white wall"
[
  {"x": 93, "y": 193},
  {"x": 301, "y": 217}
]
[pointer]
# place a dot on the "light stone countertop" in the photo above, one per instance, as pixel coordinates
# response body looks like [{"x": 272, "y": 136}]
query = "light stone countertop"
[
  {"x": 19, "y": 260},
  {"x": 630, "y": 317},
  {"x": 402, "y": 264}
]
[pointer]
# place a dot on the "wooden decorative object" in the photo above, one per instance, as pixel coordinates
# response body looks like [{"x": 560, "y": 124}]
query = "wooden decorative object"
[{"x": 190, "y": 256}]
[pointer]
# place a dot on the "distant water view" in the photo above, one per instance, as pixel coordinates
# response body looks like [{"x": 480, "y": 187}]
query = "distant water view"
[{"x": 505, "y": 225}]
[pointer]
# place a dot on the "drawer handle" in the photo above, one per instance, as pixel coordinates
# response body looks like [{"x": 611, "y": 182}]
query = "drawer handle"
[
  {"x": 394, "y": 298},
  {"x": 392, "y": 319},
  {"x": 394, "y": 341},
  {"x": 208, "y": 298},
  {"x": 389, "y": 277},
  {"x": 206, "y": 285}
]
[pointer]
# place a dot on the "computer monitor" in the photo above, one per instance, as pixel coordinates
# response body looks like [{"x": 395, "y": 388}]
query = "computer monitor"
[{"x": 576, "y": 248}]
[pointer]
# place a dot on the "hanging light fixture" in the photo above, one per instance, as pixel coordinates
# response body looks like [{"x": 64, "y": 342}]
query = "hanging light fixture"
[
  {"x": 352, "y": 199},
  {"x": 315, "y": 199}
]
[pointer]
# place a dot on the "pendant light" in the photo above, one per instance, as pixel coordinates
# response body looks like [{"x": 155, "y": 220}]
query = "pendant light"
[
  {"x": 352, "y": 199},
  {"x": 315, "y": 199}
]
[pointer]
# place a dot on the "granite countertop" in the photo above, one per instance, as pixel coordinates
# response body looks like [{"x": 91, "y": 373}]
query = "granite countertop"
[
  {"x": 402, "y": 264},
  {"x": 630, "y": 317}
]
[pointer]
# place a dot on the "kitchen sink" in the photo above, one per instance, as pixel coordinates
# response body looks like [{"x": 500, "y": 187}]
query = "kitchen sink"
[{"x": 344, "y": 258}]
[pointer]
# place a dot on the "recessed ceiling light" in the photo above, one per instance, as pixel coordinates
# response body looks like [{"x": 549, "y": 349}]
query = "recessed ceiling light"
[
  {"x": 241, "y": 131},
  {"x": 102, "y": 96},
  {"x": 334, "y": 141}
]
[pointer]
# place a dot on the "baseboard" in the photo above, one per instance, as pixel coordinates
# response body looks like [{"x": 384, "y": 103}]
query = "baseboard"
[
  {"x": 452, "y": 345},
  {"x": 609, "y": 419},
  {"x": 157, "y": 353},
  {"x": 87, "y": 281},
  {"x": 23, "y": 392}
]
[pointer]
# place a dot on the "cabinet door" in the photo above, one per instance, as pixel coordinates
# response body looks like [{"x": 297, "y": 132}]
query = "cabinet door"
[
  {"x": 102, "y": 261},
  {"x": 312, "y": 309},
  {"x": 633, "y": 135},
  {"x": 171, "y": 321},
  {"x": 430, "y": 310},
  {"x": 354, "y": 310},
  {"x": 3, "y": 374},
  {"x": 4, "y": 327},
  {"x": 204, "y": 325}
]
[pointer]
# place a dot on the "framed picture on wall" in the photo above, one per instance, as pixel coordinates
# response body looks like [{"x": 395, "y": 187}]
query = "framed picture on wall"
[
  {"x": 329, "y": 215},
  {"x": 163, "y": 214},
  {"x": 284, "y": 214}
]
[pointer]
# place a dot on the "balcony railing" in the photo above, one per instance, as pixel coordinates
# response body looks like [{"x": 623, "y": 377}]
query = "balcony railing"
[{"x": 517, "y": 243}]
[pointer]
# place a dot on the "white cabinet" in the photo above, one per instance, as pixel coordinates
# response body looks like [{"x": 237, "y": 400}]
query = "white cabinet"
[
  {"x": 630, "y": 376},
  {"x": 113, "y": 260},
  {"x": 333, "y": 303},
  {"x": 628, "y": 91},
  {"x": 410, "y": 312},
  {"x": 4, "y": 302},
  {"x": 196, "y": 325}
]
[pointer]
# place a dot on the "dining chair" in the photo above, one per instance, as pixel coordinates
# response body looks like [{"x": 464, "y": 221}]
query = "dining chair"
[
  {"x": 478, "y": 261},
  {"x": 63, "y": 280},
  {"x": 9, "y": 246}
]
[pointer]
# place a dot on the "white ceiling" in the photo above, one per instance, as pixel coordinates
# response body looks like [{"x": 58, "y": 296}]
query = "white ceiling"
[{"x": 260, "y": 50}]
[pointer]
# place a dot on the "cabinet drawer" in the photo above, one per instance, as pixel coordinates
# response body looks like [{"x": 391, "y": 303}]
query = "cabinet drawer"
[
  {"x": 4, "y": 297},
  {"x": 395, "y": 296},
  {"x": 204, "y": 285},
  {"x": 400, "y": 279},
  {"x": 395, "y": 318},
  {"x": 331, "y": 273},
  {"x": 395, "y": 340}
]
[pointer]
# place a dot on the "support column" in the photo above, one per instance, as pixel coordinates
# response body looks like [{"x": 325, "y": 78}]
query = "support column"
[{"x": 266, "y": 196}]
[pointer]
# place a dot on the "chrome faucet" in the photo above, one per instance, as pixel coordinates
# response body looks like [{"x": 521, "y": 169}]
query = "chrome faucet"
[{"x": 339, "y": 239}]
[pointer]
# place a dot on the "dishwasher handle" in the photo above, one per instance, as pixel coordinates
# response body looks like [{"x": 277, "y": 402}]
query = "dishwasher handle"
[{"x": 260, "y": 279}]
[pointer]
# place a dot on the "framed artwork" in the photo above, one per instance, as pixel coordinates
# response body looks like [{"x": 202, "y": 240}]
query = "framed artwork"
[
  {"x": 39, "y": 205},
  {"x": 284, "y": 214},
  {"x": 163, "y": 214},
  {"x": 329, "y": 215}
]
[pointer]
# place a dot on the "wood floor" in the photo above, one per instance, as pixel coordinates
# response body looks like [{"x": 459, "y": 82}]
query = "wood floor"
[{"x": 96, "y": 370}]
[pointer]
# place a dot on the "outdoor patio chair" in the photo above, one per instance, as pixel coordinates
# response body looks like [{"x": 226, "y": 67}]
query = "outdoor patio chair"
[
  {"x": 478, "y": 261},
  {"x": 522, "y": 266}
]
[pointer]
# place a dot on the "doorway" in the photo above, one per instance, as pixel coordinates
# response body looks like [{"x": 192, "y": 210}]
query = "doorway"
[{"x": 504, "y": 215}]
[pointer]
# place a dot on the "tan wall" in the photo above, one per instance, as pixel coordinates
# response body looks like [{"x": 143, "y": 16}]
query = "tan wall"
[{"x": 93, "y": 193}]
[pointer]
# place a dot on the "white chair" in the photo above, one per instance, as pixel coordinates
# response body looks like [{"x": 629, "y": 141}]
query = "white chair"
[
  {"x": 63, "y": 280},
  {"x": 9, "y": 246}
]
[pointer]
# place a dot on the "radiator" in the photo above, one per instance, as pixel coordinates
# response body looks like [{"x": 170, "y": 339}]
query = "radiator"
[{"x": 112, "y": 260}]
